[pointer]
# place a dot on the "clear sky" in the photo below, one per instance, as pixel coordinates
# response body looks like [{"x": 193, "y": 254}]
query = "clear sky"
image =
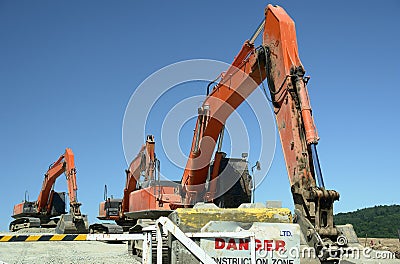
[{"x": 68, "y": 69}]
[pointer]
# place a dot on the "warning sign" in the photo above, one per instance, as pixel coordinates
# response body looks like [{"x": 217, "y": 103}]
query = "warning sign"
[{"x": 275, "y": 243}]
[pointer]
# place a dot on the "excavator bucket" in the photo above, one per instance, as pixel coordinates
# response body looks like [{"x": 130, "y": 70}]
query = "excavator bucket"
[{"x": 68, "y": 225}]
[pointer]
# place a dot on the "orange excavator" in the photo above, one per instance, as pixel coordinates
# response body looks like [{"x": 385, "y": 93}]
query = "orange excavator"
[
  {"x": 276, "y": 60},
  {"x": 224, "y": 181},
  {"x": 51, "y": 204},
  {"x": 143, "y": 194}
]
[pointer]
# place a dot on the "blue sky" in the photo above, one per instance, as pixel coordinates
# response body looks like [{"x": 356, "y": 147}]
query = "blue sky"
[{"x": 68, "y": 69}]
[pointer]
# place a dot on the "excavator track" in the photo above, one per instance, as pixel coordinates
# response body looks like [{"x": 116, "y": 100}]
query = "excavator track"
[{"x": 23, "y": 223}]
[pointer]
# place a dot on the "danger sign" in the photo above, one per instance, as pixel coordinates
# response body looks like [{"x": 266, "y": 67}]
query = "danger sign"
[
  {"x": 243, "y": 244},
  {"x": 274, "y": 243}
]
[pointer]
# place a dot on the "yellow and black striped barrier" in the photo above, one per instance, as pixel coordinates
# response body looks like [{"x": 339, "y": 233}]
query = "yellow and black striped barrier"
[
  {"x": 72, "y": 237},
  {"x": 34, "y": 238}
]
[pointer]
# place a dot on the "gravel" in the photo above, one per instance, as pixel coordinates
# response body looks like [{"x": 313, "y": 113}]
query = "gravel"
[{"x": 64, "y": 252}]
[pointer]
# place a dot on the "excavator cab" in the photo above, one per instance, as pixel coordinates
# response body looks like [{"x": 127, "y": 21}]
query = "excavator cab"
[
  {"x": 111, "y": 207},
  {"x": 234, "y": 183}
]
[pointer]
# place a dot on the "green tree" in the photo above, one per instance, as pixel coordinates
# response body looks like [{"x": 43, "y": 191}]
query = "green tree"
[{"x": 382, "y": 221}]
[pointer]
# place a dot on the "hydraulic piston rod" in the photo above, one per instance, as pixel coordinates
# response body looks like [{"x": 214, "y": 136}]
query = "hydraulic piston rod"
[{"x": 317, "y": 166}]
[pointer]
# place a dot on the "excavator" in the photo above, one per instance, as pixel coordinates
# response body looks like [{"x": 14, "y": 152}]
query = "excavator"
[
  {"x": 141, "y": 185},
  {"x": 276, "y": 60},
  {"x": 215, "y": 190},
  {"x": 51, "y": 204}
]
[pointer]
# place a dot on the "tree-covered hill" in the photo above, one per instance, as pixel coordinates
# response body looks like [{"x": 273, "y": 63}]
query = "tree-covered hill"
[{"x": 381, "y": 221}]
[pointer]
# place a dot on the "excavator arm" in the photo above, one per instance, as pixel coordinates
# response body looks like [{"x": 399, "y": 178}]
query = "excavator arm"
[
  {"x": 298, "y": 134},
  {"x": 143, "y": 162}
]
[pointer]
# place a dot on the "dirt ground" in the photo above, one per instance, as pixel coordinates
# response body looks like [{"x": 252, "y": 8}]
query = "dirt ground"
[
  {"x": 100, "y": 252},
  {"x": 64, "y": 252},
  {"x": 392, "y": 244}
]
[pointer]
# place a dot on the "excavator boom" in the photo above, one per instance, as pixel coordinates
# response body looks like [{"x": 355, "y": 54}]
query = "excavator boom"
[
  {"x": 239, "y": 81},
  {"x": 46, "y": 194}
]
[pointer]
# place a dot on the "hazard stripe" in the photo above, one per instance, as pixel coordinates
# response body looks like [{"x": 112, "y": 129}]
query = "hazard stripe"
[
  {"x": 32, "y": 238},
  {"x": 69, "y": 238},
  {"x": 44, "y": 238},
  {"x": 5, "y": 238},
  {"x": 81, "y": 237},
  {"x": 18, "y": 238},
  {"x": 57, "y": 237}
]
